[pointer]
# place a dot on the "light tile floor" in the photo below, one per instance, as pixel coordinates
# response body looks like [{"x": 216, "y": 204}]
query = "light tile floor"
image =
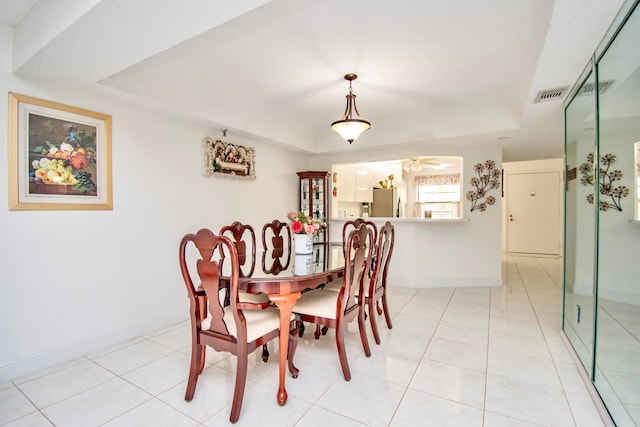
[{"x": 487, "y": 356}]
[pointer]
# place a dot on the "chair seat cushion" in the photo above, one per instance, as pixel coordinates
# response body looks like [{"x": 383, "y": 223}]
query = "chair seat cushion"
[
  {"x": 255, "y": 298},
  {"x": 259, "y": 322},
  {"x": 320, "y": 303},
  {"x": 334, "y": 286}
]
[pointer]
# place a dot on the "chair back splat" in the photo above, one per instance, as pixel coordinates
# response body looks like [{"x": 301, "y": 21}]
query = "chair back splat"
[
  {"x": 242, "y": 235},
  {"x": 359, "y": 253},
  {"x": 274, "y": 257},
  {"x": 355, "y": 223}
]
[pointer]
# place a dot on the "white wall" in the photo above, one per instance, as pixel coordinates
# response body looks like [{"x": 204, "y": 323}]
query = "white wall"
[
  {"x": 436, "y": 254},
  {"x": 72, "y": 282}
]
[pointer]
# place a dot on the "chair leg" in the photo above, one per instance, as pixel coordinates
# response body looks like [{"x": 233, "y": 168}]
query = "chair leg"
[
  {"x": 342, "y": 354},
  {"x": 372, "y": 320},
  {"x": 241, "y": 379},
  {"x": 194, "y": 370},
  {"x": 203, "y": 357},
  {"x": 387, "y": 316},
  {"x": 363, "y": 334},
  {"x": 202, "y": 308},
  {"x": 291, "y": 351},
  {"x": 265, "y": 353}
]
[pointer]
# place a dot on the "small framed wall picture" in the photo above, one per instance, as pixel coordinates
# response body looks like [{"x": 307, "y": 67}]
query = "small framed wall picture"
[{"x": 229, "y": 160}]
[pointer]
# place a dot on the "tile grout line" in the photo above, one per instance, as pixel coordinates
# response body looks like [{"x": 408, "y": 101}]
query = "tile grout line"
[
  {"x": 423, "y": 353},
  {"x": 546, "y": 342},
  {"x": 486, "y": 365}
]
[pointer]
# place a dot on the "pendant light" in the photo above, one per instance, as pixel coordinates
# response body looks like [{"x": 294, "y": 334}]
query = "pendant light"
[{"x": 350, "y": 127}]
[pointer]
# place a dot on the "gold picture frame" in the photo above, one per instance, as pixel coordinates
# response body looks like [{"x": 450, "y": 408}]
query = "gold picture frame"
[{"x": 59, "y": 156}]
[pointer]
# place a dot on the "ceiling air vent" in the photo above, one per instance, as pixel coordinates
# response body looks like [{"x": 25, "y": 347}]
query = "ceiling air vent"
[
  {"x": 551, "y": 94},
  {"x": 588, "y": 89}
]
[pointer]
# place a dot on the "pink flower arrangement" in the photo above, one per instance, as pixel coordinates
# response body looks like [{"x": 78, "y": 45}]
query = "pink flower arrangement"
[{"x": 303, "y": 224}]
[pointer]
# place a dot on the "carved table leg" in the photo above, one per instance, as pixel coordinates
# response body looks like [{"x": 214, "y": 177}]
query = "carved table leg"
[{"x": 285, "y": 303}]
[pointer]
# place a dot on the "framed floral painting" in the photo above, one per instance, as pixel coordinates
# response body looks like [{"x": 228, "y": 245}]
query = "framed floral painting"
[{"x": 59, "y": 156}]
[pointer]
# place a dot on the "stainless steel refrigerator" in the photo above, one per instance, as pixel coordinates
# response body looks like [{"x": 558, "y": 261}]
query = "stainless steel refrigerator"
[{"x": 385, "y": 202}]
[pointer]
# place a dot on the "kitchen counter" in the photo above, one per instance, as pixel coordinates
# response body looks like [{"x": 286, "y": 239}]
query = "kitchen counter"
[
  {"x": 434, "y": 253},
  {"x": 394, "y": 219}
]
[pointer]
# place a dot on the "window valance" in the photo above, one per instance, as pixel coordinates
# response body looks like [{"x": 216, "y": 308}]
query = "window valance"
[{"x": 443, "y": 179}]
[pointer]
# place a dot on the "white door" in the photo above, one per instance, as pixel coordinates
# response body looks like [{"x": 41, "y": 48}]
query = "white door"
[{"x": 533, "y": 213}]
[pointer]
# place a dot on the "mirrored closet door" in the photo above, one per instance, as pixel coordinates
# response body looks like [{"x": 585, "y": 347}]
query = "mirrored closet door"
[{"x": 602, "y": 227}]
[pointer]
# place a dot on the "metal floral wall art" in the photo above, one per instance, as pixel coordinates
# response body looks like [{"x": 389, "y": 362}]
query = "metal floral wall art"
[
  {"x": 489, "y": 177},
  {"x": 608, "y": 177}
]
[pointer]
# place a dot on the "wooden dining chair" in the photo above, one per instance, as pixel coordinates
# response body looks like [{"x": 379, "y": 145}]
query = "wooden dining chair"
[
  {"x": 238, "y": 328},
  {"x": 336, "y": 309},
  {"x": 375, "y": 292},
  {"x": 244, "y": 239},
  {"x": 335, "y": 286},
  {"x": 276, "y": 236}
]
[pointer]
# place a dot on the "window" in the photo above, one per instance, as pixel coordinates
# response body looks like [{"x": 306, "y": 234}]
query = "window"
[{"x": 438, "y": 196}]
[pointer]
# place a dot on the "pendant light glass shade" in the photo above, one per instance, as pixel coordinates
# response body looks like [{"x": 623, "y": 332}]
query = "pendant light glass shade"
[{"x": 351, "y": 125}]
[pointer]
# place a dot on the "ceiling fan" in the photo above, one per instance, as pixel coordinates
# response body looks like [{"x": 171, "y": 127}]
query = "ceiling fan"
[{"x": 416, "y": 164}]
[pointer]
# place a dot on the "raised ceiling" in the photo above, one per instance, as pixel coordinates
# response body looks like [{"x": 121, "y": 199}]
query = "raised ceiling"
[{"x": 430, "y": 72}]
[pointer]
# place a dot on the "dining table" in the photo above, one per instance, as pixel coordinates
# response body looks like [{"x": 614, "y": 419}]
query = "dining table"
[{"x": 283, "y": 282}]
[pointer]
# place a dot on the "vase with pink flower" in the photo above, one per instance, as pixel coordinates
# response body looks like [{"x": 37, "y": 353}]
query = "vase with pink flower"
[{"x": 303, "y": 227}]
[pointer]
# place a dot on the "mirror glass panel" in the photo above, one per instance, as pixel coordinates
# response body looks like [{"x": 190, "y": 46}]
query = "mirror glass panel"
[
  {"x": 637, "y": 216},
  {"x": 617, "y": 355},
  {"x": 580, "y": 202}
]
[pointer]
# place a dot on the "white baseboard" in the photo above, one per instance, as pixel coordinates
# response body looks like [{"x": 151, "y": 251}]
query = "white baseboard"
[
  {"x": 445, "y": 283},
  {"x": 621, "y": 297},
  {"x": 607, "y": 294},
  {"x": 47, "y": 360}
]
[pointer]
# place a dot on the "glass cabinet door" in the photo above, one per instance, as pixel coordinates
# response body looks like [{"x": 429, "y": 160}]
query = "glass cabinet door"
[{"x": 314, "y": 199}]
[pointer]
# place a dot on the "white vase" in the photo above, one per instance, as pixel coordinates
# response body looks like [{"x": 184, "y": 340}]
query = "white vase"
[
  {"x": 303, "y": 243},
  {"x": 302, "y": 264}
]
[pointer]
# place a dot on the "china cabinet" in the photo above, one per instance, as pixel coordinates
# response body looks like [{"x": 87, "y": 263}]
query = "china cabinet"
[{"x": 314, "y": 199}]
